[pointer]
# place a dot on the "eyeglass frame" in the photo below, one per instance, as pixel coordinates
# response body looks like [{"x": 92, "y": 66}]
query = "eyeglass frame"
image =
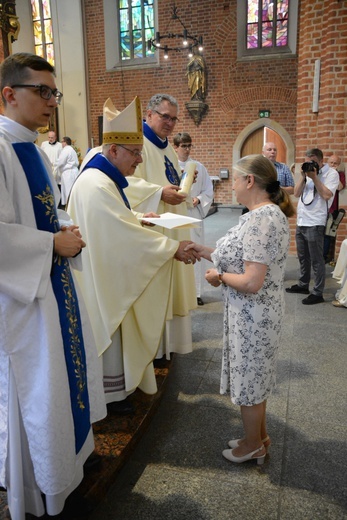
[
  {"x": 134, "y": 153},
  {"x": 53, "y": 92},
  {"x": 185, "y": 145},
  {"x": 166, "y": 117}
]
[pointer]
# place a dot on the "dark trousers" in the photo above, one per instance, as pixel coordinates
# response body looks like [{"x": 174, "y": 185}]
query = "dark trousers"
[
  {"x": 309, "y": 245},
  {"x": 329, "y": 248}
]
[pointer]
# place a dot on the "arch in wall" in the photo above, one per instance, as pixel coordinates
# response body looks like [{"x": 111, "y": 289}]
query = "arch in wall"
[{"x": 254, "y": 127}]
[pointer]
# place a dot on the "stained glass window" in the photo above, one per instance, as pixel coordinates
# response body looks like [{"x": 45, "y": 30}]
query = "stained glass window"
[
  {"x": 43, "y": 32},
  {"x": 136, "y": 23},
  {"x": 267, "y": 23}
]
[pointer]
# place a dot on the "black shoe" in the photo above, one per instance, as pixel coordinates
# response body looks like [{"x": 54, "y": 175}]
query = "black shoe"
[
  {"x": 93, "y": 462},
  {"x": 160, "y": 362},
  {"x": 297, "y": 289},
  {"x": 120, "y": 407},
  {"x": 77, "y": 506},
  {"x": 313, "y": 299},
  {"x": 199, "y": 300}
]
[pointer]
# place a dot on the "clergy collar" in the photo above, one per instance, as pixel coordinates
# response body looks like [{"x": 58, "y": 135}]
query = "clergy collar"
[
  {"x": 55, "y": 142},
  {"x": 152, "y": 136}
]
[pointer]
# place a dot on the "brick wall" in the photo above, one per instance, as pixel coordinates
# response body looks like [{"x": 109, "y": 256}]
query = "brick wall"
[
  {"x": 323, "y": 35},
  {"x": 237, "y": 90}
]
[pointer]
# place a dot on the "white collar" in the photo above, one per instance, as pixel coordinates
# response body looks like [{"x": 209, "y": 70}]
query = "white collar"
[{"x": 16, "y": 132}]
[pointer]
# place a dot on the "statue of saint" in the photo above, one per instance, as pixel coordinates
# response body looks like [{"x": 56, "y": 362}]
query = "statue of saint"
[{"x": 196, "y": 72}]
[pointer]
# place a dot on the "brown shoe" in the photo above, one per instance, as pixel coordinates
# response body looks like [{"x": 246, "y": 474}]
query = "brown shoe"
[{"x": 336, "y": 303}]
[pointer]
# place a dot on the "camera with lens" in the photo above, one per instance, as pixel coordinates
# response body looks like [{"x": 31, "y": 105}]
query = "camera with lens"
[{"x": 310, "y": 166}]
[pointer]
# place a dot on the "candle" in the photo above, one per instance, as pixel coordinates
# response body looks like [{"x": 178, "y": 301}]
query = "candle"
[{"x": 188, "y": 177}]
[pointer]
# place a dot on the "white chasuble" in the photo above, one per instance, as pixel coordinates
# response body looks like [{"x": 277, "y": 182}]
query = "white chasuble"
[
  {"x": 127, "y": 275},
  {"x": 144, "y": 186}
]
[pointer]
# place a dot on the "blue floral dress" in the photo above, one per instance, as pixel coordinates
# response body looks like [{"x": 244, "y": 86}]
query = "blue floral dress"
[{"x": 252, "y": 322}]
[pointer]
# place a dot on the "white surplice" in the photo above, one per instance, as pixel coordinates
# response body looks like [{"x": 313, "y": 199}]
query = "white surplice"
[
  {"x": 53, "y": 151},
  {"x": 340, "y": 274},
  {"x": 37, "y": 438},
  {"x": 67, "y": 168},
  {"x": 202, "y": 189}
]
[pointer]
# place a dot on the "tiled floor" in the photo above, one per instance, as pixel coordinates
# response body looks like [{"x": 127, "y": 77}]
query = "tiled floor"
[{"x": 165, "y": 463}]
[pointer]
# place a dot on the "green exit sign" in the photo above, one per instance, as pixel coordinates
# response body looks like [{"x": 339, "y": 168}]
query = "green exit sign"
[{"x": 264, "y": 113}]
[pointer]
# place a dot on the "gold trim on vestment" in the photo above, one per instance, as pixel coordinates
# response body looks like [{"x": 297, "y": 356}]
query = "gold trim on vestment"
[
  {"x": 122, "y": 138},
  {"x": 126, "y": 137}
]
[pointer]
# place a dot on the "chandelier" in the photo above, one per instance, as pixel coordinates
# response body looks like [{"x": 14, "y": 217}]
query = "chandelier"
[{"x": 183, "y": 41}]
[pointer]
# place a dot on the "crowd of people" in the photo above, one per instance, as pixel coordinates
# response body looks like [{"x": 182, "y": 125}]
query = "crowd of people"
[{"x": 93, "y": 296}]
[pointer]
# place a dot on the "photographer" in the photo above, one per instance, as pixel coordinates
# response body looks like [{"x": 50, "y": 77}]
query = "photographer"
[{"x": 315, "y": 190}]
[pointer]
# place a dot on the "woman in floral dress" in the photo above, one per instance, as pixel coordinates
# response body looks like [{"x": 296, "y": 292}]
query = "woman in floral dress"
[{"x": 250, "y": 265}]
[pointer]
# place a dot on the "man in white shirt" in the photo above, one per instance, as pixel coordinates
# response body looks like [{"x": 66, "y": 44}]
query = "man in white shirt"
[
  {"x": 52, "y": 148},
  {"x": 315, "y": 189}
]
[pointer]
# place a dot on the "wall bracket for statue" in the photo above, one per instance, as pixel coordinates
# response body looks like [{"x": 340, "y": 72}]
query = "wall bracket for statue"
[
  {"x": 196, "y": 109},
  {"x": 197, "y": 84},
  {"x": 9, "y": 25}
]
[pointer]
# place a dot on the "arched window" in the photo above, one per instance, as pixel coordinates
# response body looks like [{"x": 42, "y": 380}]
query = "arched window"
[
  {"x": 266, "y": 27},
  {"x": 129, "y": 24},
  {"x": 43, "y": 32}
]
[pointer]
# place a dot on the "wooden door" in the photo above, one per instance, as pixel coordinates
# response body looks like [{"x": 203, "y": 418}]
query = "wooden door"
[
  {"x": 270, "y": 136},
  {"x": 255, "y": 142}
]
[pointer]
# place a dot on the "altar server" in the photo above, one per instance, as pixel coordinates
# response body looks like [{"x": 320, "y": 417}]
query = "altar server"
[{"x": 50, "y": 378}]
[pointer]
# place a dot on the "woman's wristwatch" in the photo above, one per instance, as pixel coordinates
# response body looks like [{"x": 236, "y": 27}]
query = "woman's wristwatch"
[{"x": 220, "y": 277}]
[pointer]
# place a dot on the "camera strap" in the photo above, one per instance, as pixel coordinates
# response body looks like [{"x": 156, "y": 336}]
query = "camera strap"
[{"x": 302, "y": 195}]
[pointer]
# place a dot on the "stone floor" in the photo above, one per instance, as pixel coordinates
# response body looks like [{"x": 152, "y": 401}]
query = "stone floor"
[
  {"x": 165, "y": 463},
  {"x": 115, "y": 439}
]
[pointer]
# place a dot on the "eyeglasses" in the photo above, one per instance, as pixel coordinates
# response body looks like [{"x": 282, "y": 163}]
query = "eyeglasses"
[
  {"x": 135, "y": 153},
  {"x": 45, "y": 91},
  {"x": 166, "y": 117},
  {"x": 185, "y": 145}
]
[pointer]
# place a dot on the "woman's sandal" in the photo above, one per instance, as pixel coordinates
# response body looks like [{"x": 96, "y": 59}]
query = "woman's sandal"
[
  {"x": 228, "y": 454},
  {"x": 235, "y": 442}
]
